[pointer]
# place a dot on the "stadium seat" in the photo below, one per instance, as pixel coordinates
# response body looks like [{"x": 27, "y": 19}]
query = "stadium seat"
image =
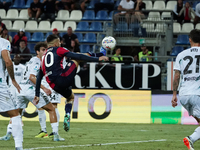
[
  {"x": 182, "y": 40},
  {"x": 187, "y": 27},
  {"x": 31, "y": 47},
  {"x": 106, "y": 1},
  {"x": 149, "y": 5},
  {"x": 23, "y": 14},
  {"x": 44, "y": 26},
  {"x": 110, "y": 16},
  {"x": 37, "y": 37},
  {"x": 28, "y": 3},
  {"x": 82, "y": 26},
  {"x": 47, "y": 34},
  {"x": 58, "y": 25},
  {"x": 96, "y": 27},
  {"x": 176, "y": 27},
  {"x": 80, "y": 36},
  {"x": 12, "y": 34},
  {"x": 2, "y": 13},
  {"x": 171, "y": 5},
  {"x": 166, "y": 15},
  {"x": 63, "y": 15},
  {"x": 154, "y": 16},
  {"x": 62, "y": 33},
  {"x": 76, "y": 15},
  {"x": 18, "y": 25},
  {"x": 89, "y": 15},
  {"x": 85, "y": 48},
  {"x": 31, "y": 25},
  {"x": 159, "y": 5},
  {"x": 197, "y": 26},
  {"x": 100, "y": 37},
  {"x": 149, "y": 27},
  {"x": 121, "y": 27},
  {"x": 160, "y": 27},
  {"x": 132, "y": 26},
  {"x": 8, "y": 24},
  {"x": 176, "y": 50},
  {"x": 19, "y": 4},
  {"x": 92, "y": 4},
  {"x": 71, "y": 24},
  {"x": 102, "y": 15},
  {"x": 90, "y": 38},
  {"x": 12, "y": 14},
  {"x": 28, "y": 35}
]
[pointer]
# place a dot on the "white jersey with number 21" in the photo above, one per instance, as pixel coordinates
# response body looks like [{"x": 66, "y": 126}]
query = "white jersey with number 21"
[{"x": 188, "y": 63}]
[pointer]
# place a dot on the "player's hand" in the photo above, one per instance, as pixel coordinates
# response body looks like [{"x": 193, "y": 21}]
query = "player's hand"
[
  {"x": 174, "y": 101},
  {"x": 36, "y": 100},
  {"x": 47, "y": 91},
  {"x": 103, "y": 58},
  {"x": 16, "y": 85}
]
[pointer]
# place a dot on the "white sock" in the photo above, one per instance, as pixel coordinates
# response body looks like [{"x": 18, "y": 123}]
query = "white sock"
[
  {"x": 42, "y": 120},
  {"x": 196, "y": 135},
  {"x": 58, "y": 115},
  {"x": 17, "y": 130},
  {"x": 9, "y": 129},
  {"x": 54, "y": 127}
]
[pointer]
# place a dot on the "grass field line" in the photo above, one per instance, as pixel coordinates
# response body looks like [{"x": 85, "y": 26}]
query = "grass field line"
[
  {"x": 103, "y": 144},
  {"x": 111, "y": 129}
]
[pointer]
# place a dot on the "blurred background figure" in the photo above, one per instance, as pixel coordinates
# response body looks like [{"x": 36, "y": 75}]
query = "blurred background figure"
[
  {"x": 5, "y": 35},
  {"x": 34, "y": 10},
  {"x": 5, "y": 4},
  {"x": 176, "y": 11},
  {"x": 74, "y": 46},
  {"x": 18, "y": 37},
  {"x": 3, "y": 26},
  {"x": 117, "y": 56},
  {"x": 187, "y": 12},
  {"x": 49, "y": 10}
]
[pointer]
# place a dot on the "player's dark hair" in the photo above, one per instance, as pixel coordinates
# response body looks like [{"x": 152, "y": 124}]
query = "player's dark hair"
[
  {"x": 195, "y": 35},
  {"x": 40, "y": 44},
  {"x": 51, "y": 37}
]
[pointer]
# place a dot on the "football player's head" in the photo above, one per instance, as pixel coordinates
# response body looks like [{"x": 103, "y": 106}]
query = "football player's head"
[
  {"x": 194, "y": 37},
  {"x": 53, "y": 40},
  {"x": 17, "y": 59},
  {"x": 40, "y": 49}
]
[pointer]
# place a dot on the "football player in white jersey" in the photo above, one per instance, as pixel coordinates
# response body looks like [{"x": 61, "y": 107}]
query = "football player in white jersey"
[
  {"x": 28, "y": 89},
  {"x": 187, "y": 67},
  {"x": 7, "y": 102}
]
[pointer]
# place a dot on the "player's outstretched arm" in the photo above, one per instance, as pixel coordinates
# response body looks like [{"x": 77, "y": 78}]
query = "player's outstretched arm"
[
  {"x": 85, "y": 57},
  {"x": 38, "y": 83},
  {"x": 175, "y": 87},
  {"x": 9, "y": 66}
]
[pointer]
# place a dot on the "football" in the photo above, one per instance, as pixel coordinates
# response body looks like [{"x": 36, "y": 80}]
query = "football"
[{"x": 109, "y": 43}]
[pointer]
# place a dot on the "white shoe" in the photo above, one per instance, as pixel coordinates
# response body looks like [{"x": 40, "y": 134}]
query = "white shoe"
[
  {"x": 188, "y": 143},
  {"x": 5, "y": 137},
  {"x": 58, "y": 138}
]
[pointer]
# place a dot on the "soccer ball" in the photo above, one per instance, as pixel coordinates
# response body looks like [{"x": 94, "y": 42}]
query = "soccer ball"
[{"x": 109, "y": 43}]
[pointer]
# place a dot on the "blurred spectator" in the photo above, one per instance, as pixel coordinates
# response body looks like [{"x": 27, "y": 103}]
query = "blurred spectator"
[
  {"x": 187, "y": 11},
  {"x": 35, "y": 10},
  {"x": 100, "y": 6},
  {"x": 65, "y": 4},
  {"x": 22, "y": 49},
  {"x": 55, "y": 31},
  {"x": 3, "y": 26},
  {"x": 138, "y": 6},
  {"x": 5, "y": 4},
  {"x": 17, "y": 38},
  {"x": 74, "y": 47},
  {"x": 68, "y": 37},
  {"x": 125, "y": 6},
  {"x": 49, "y": 10},
  {"x": 5, "y": 35},
  {"x": 80, "y": 4},
  {"x": 177, "y": 10},
  {"x": 117, "y": 56},
  {"x": 143, "y": 55},
  {"x": 197, "y": 17}
]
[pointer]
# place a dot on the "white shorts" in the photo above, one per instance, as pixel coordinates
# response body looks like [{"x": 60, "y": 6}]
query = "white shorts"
[
  {"x": 55, "y": 97},
  {"x": 7, "y": 101},
  {"x": 27, "y": 95},
  {"x": 13, "y": 91},
  {"x": 192, "y": 104}
]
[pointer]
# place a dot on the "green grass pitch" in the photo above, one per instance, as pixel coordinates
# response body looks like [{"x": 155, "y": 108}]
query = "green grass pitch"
[{"x": 97, "y": 136}]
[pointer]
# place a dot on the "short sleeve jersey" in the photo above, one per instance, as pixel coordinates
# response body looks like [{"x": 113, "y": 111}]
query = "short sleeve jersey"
[
  {"x": 188, "y": 63},
  {"x": 126, "y": 5},
  {"x": 4, "y": 45}
]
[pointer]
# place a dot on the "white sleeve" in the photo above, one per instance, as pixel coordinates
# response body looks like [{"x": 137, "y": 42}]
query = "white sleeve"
[
  {"x": 177, "y": 64},
  {"x": 35, "y": 68},
  {"x": 121, "y": 3},
  {"x": 175, "y": 10},
  {"x": 197, "y": 10},
  {"x": 5, "y": 45},
  {"x": 133, "y": 5}
]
